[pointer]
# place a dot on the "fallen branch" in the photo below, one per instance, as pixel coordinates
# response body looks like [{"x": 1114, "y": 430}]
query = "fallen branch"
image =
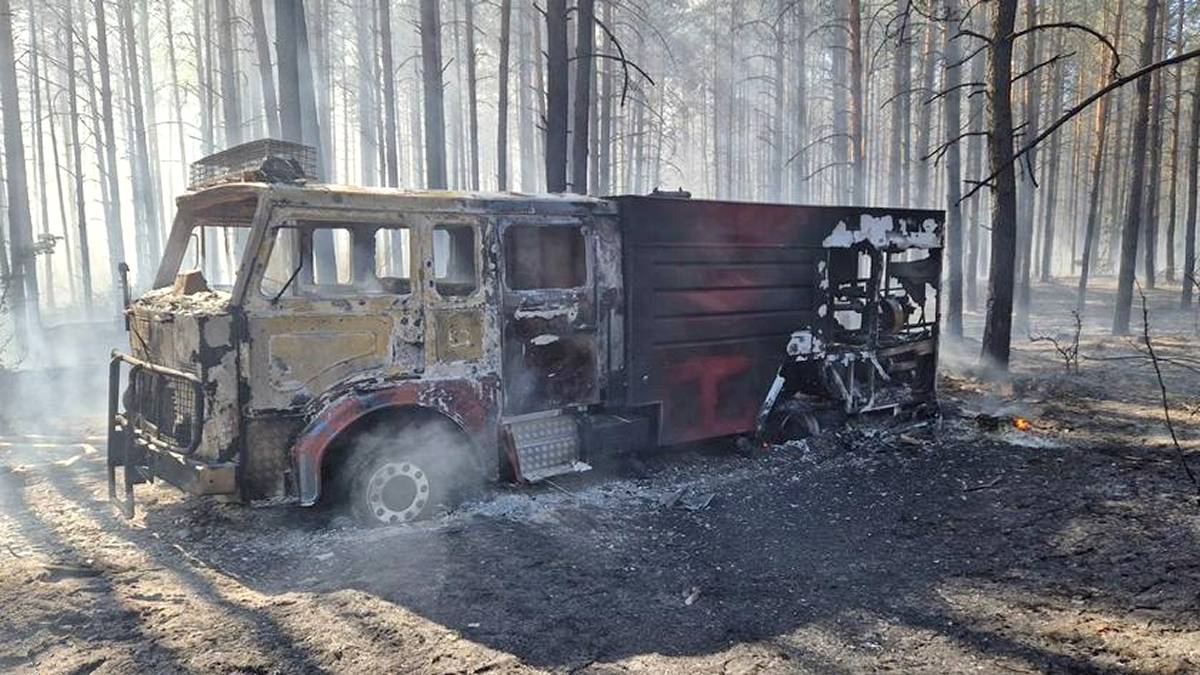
[{"x": 1162, "y": 388}]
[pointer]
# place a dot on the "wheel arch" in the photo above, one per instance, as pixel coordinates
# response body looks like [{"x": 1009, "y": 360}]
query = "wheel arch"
[{"x": 463, "y": 406}]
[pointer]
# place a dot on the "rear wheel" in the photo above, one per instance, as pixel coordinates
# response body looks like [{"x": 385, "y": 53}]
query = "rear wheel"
[{"x": 403, "y": 473}]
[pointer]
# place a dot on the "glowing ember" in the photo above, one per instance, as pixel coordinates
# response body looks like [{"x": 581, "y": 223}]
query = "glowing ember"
[{"x": 1022, "y": 424}]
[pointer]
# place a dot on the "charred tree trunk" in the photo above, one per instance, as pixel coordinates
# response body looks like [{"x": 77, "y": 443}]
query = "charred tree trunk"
[
  {"x": 76, "y": 145},
  {"x": 143, "y": 186},
  {"x": 502, "y": 97},
  {"x": 39, "y": 153},
  {"x": 975, "y": 152},
  {"x": 1027, "y": 197},
  {"x": 389, "y": 93},
  {"x": 604, "y": 153},
  {"x": 266, "y": 73},
  {"x": 901, "y": 109},
  {"x": 924, "y": 125},
  {"x": 858, "y": 189},
  {"x": 435, "y": 115},
  {"x": 287, "y": 55},
  {"x": 556, "y": 95},
  {"x": 23, "y": 284},
  {"x": 1193, "y": 168},
  {"x": 1098, "y": 178},
  {"x": 472, "y": 95},
  {"x": 800, "y": 164},
  {"x": 116, "y": 238},
  {"x": 584, "y": 41},
  {"x": 1137, "y": 159},
  {"x": 997, "y": 329},
  {"x": 952, "y": 115},
  {"x": 230, "y": 99},
  {"x": 1154, "y": 168},
  {"x": 1177, "y": 127},
  {"x": 525, "y": 121},
  {"x": 176, "y": 97},
  {"x": 368, "y": 140},
  {"x": 1050, "y": 203}
]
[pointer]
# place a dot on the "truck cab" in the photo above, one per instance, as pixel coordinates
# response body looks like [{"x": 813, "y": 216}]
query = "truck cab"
[{"x": 293, "y": 331}]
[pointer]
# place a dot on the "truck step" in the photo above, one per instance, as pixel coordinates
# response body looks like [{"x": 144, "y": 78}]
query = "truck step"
[{"x": 544, "y": 446}]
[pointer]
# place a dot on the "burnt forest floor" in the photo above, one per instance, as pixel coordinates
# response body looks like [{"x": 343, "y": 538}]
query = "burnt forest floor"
[{"x": 945, "y": 547}]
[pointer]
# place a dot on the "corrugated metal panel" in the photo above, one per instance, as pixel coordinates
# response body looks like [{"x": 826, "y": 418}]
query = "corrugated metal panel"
[{"x": 713, "y": 291}]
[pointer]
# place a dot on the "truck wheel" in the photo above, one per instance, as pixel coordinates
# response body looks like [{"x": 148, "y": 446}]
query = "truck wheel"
[{"x": 395, "y": 478}]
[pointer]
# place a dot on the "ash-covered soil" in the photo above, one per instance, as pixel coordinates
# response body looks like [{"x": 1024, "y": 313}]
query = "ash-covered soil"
[{"x": 942, "y": 547}]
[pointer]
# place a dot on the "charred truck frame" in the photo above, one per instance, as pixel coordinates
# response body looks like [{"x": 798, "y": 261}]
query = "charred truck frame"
[{"x": 386, "y": 346}]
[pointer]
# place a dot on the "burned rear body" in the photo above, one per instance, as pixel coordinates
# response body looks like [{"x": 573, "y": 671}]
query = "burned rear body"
[{"x": 523, "y": 336}]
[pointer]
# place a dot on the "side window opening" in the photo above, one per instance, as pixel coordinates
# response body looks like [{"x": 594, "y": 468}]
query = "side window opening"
[
  {"x": 392, "y": 255},
  {"x": 538, "y": 256},
  {"x": 309, "y": 259},
  {"x": 454, "y": 260}
]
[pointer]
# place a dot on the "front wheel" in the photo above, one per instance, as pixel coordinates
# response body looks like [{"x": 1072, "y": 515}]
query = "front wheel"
[{"x": 403, "y": 474}]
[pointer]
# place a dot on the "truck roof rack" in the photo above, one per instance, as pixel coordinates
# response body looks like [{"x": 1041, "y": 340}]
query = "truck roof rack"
[{"x": 265, "y": 160}]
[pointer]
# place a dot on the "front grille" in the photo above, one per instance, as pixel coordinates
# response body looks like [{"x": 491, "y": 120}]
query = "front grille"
[{"x": 164, "y": 407}]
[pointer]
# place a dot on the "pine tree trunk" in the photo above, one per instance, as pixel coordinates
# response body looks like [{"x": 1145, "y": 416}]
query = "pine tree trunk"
[
  {"x": 76, "y": 145},
  {"x": 287, "y": 55},
  {"x": 116, "y": 238},
  {"x": 1137, "y": 160},
  {"x": 266, "y": 74},
  {"x": 924, "y": 126},
  {"x": 435, "y": 119},
  {"x": 775, "y": 157},
  {"x": 556, "y": 96},
  {"x": 368, "y": 140},
  {"x": 1172, "y": 209},
  {"x": 176, "y": 99},
  {"x": 525, "y": 121},
  {"x": 64, "y": 220},
  {"x": 997, "y": 329},
  {"x": 389, "y": 93},
  {"x": 800, "y": 162},
  {"x": 975, "y": 152},
  {"x": 952, "y": 113},
  {"x": 858, "y": 161},
  {"x": 502, "y": 97},
  {"x": 472, "y": 95},
  {"x": 23, "y": 288},
  {"x": 1050, "y": 203},
  {"x": 230, "y": 103},
  {"x": 154, "y": 174},
  {"x": 585, "y": 16},
  {"x": 1193, "y": 168},
  {"x": 143, "y": 190},
  {"x": 39, "y": 154},
  {"x": 1027, "y": 213},
  {"x": 1091, "y": 230},
  {"x": 1150, "y": 207},
  {"x": 604, "y": 155}
]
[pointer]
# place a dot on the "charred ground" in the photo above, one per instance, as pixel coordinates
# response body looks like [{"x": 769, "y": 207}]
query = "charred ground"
[{"x": 935, "y": 548}]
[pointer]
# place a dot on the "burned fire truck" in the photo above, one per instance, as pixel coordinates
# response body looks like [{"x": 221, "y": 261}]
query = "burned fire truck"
[{"x": 304, "y": 342}]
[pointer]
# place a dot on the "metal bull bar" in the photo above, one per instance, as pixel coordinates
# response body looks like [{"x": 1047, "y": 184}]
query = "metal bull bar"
[{"x": 131, "y": 434}]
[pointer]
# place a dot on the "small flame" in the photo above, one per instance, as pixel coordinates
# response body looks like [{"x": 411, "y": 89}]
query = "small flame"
[{"x": 1022, "y": 424}]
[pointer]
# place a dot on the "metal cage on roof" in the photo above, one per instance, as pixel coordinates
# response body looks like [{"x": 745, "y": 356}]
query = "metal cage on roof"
[{"x": 267, "y": 160}]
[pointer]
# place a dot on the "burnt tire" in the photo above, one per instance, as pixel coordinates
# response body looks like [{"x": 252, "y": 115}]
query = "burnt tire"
[{"x": 397, "y": 475}]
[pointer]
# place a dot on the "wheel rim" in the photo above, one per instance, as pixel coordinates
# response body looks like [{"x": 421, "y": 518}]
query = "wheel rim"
[{"x": 397, "y": 491}]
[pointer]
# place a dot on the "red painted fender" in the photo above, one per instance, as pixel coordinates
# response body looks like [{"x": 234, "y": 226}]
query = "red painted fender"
[{"x": 469, "y": 404}]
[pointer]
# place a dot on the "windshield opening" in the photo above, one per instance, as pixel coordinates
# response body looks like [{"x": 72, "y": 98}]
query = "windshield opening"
[{"x": 216, "y": 250}]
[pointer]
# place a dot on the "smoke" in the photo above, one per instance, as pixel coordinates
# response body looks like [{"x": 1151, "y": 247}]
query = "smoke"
[
  {"x": 414, "y": 454},
  {"x": 58, "y": 382}
]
